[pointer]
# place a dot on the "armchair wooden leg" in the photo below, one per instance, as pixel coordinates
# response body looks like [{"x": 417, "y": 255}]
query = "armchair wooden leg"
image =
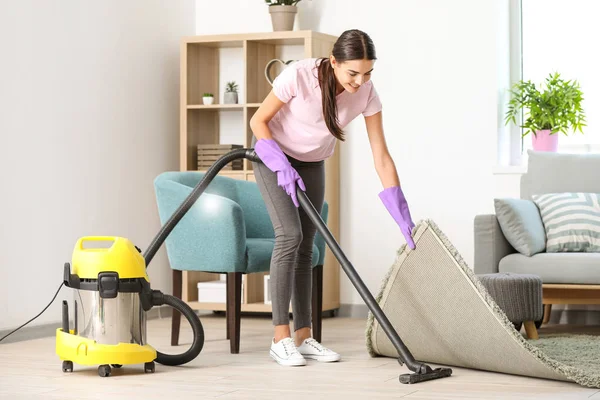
[
  {"x": 317, "y": 302},
  {"x": 228, "y": 337},
  {"x": 176, "y": 316},
  {"x": 234, "y": 304}
]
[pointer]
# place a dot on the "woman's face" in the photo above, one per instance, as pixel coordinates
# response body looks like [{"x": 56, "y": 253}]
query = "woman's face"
[{"x": 353, "y": 73}]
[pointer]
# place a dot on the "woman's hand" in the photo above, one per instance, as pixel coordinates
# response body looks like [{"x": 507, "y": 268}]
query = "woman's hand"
[
  {"x": 271, "y": 155},
  {"x": 395, "y": 202}
]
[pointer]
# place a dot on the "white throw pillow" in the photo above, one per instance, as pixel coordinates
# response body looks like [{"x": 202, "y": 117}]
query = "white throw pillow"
[{"x": 571, "y": 221}]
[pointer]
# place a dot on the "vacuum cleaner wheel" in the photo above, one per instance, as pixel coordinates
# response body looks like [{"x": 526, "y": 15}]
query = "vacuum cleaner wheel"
[
  {"x": 149, "y": 367},
  {"x": 104, "y": 370},
  {"x": 67, "y": 366}
]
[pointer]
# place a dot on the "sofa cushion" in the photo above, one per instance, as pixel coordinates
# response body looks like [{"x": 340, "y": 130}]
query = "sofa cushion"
[
  {"x": 549, "y": 172},
  {"x": 521, "y": 224},
  {"x": 567, "y": 268},
  {"x": 571, "y": 221}
]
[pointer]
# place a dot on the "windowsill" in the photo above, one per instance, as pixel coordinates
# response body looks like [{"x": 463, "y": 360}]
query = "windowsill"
[{"x": 509, "y": 169}]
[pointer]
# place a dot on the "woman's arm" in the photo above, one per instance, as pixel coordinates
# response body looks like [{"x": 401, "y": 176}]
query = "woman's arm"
[
  {"x": 384, "y": 164},
  {"x": 391, "y": 195},
  {"x": 267, "y": 110}
]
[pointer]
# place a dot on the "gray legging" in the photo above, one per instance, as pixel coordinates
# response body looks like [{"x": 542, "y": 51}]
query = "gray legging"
[{"x": 291, "y": 262}]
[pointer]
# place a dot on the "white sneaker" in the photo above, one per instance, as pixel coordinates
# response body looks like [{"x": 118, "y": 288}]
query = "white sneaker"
[
  {"x": 285, "y": 353},
  {"x": 312, "y": 349}
]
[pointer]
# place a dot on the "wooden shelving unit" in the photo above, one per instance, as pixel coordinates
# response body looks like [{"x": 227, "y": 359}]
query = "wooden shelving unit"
[{"x": 202, "y": 124}]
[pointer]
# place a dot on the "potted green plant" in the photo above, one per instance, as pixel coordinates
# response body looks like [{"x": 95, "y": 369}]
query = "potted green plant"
[
  {"x": 557, "y": 108},
  {"x": 208, "y": 98},
  {"x": 283, "y": 14},
  {"x": 231, "y": 94}
]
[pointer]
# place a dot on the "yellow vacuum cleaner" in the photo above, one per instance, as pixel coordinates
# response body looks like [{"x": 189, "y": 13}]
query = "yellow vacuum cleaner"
[{"x": 111, "y": 298}]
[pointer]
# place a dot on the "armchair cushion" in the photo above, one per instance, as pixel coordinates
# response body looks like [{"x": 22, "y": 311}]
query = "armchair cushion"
[
  {"x": 571, "y": 220},
  {"x": 521, "y": 224},
  {"x": 210, "y": 237},
  {"x": 256, "y": 217}
]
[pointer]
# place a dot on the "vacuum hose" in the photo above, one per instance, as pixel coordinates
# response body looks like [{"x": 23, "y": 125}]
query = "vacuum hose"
[{"x": 159, "y": 299}]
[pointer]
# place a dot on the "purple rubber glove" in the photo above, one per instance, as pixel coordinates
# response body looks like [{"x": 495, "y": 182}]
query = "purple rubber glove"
[
  {"x": 396, "y": 204},
  {"x": 272, "y": 156}
]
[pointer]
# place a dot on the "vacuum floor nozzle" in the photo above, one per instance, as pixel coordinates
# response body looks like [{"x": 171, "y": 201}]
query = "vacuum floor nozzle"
[{"x": 426, "y": 376}]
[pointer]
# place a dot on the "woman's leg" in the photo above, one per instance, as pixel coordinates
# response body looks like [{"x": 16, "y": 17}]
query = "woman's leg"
[
  {"x": 288, "y": 236},
  {"x": 313, "y": 175}
]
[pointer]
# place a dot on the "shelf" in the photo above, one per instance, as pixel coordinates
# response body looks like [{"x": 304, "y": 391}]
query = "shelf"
[
  {"x": 215, "y": 107},
  {"x": 252, "y": 307},
  {"x": 222, "y": 106},
  {"x": 208, "y": 62},
  {"x": 274, "y": 38},
  {"x": 232, "y": 173}
]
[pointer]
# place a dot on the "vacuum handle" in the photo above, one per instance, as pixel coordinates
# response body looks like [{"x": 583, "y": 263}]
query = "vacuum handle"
[{"x": 79, "y": 244}]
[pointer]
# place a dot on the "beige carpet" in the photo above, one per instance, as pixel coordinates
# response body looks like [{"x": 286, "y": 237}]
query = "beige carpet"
[{"x": 445, "y": 316}]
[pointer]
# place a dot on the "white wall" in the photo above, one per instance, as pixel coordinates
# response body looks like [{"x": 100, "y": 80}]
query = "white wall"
[
  {"x": 89, "y": 104},
  {"x": 440, "y": 71}
]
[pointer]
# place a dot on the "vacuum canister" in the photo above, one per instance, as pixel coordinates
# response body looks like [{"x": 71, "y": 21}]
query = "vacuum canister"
[{"x": 107, "y": 283}]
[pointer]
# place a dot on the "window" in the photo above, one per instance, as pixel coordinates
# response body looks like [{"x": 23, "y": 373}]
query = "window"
[{"x": 561, "y": 36}]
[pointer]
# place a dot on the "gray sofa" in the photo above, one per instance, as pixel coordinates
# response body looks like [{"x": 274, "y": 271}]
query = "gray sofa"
[{"x": 568, "y": 277}]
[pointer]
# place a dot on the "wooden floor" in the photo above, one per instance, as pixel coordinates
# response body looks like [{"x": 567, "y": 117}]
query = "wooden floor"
[{"x": 32, "y": 370}]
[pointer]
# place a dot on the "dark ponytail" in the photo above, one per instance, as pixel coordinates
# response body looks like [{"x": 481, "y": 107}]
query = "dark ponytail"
[
  {"x": 328, "y": 93},
  {"x": 351, "y": 45}
]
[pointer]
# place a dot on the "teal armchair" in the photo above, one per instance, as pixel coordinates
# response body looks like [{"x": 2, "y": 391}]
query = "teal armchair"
[{"x": 226, "y": 231}]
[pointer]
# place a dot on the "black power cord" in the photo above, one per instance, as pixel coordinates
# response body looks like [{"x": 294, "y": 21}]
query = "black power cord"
[{"x": 45, "y": 308}]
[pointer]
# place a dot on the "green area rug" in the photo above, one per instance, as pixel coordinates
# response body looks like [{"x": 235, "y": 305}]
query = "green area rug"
[{"x": 445, "y": 316}]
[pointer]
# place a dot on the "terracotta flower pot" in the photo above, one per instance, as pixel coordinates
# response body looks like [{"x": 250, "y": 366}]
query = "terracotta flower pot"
[{"x": 283, "y": 17}]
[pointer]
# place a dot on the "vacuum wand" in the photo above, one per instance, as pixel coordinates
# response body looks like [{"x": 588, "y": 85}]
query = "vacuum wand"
[{"x": 422, "y": 371}]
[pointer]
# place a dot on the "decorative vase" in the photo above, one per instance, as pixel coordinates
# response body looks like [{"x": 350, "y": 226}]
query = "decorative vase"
[
  {"x": 544, "y": 141},
  {"x": 208, "y": 100},
  {"x": 283, "y": 17},
  {"x": 230, "y": 98}
]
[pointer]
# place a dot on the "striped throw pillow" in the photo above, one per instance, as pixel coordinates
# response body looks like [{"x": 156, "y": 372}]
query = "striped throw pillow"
[{"x": 571, "y": 221}]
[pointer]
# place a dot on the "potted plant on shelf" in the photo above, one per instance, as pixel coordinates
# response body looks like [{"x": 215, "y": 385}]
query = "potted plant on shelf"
[
  {"x": 283, "y": 14},
  {"x": 556, "y": 109},
  {"x": 208, "y": 98},
  {"x": 231, "y": 94}
]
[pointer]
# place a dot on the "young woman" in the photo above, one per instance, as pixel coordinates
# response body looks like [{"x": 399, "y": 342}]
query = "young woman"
[{"x": 295, "y": 130}]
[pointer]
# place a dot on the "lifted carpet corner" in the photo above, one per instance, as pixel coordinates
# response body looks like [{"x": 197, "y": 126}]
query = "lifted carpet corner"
[{"x": 445, "y": 316}]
